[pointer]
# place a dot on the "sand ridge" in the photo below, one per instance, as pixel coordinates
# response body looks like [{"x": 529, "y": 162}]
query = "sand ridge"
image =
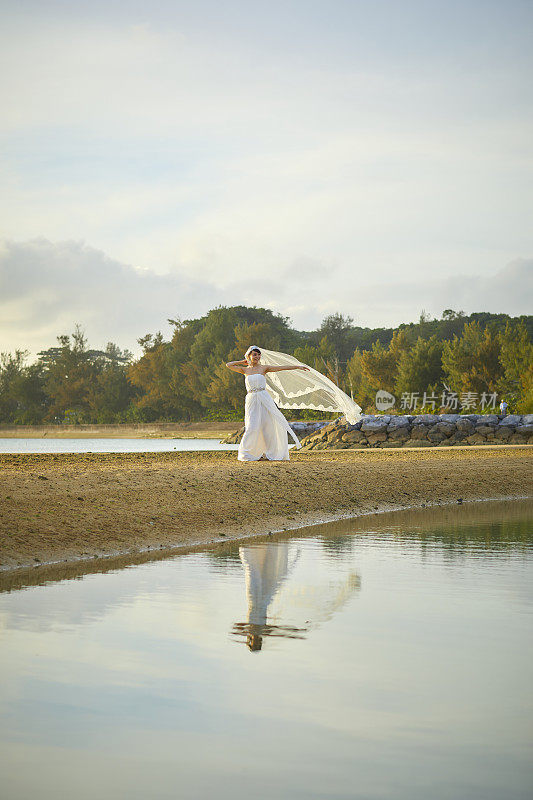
[{"x": 62, "y": 507}]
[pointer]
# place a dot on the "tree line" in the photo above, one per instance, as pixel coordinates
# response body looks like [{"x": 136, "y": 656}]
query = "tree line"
[{"x": 454, "y": 363}]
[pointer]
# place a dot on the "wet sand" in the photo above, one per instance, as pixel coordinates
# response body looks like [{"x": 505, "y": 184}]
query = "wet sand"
[{"x": 66, "y": 507}]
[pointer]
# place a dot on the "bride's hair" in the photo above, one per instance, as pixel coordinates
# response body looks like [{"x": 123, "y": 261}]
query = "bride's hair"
[{"x": 251, "y": 350}]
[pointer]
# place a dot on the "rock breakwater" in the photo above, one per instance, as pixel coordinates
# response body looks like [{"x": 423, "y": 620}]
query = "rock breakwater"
[{"x": 423, "y": 430}]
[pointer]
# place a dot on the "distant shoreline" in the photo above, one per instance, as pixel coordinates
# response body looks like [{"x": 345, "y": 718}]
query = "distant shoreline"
[{"x": 141, "y": 430}]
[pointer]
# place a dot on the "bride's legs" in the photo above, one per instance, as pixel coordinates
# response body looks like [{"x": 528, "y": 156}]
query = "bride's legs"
[
  {"x": 252, "y": 445},
  {"x": 275, "y": 434}
]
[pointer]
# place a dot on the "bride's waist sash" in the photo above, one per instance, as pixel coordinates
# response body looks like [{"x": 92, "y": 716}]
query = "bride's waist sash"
[{"x": 256, "y": 389}]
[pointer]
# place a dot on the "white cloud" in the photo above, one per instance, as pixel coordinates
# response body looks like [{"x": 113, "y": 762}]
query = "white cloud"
[
  {"x": 509, "y": 291},
  {"x": 46, "y": 287},
  {"x": 168, "y": 147},
  {"x": 353, "y": 166}
]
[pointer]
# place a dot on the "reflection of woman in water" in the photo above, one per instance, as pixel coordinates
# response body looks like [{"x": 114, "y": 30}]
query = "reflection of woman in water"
[{"x": 265, "y": 568}]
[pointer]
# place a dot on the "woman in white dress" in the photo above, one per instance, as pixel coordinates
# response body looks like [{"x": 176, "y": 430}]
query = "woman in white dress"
[{"x": 266, "y": 428}]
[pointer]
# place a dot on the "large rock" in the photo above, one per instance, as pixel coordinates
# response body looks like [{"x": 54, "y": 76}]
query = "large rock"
[
  {"x": 436, "y": 436},
  {"x": 398, "y": 422},
  {"x": 464, "y": 424},
  {"x": 352, "y": 437},
  {"x": 527, "y": 419},
  {"x": 399, "y": 434},
  {"x": 356, "y": 427},
  {"x": 504, "y": 433},
  {"x": 425, "y": 419},
  {"x": 313, "y": 439},
  {"x": 511, "y": 419},
  {"x": 526, "y": 429},
  {"x": 458, "y": 437},
  {"x": 449, "y": 417},
  {"x": 233, "y": 438},
  {"x": 335, "y": 436},
  {"x": 419, "y": 432},
  {"x": 376, "y": 438},
  {"x": 488, "y": 419},
  {"x": 446, "y": 428},
  {"x": 374, "y": 426},
  {"x": 475, "y": 438},
  {"x": 485, "y": 429}
]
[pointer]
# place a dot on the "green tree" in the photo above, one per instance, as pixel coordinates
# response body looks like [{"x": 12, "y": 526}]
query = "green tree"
[
  {"x": 516, "y": 359},
  {"x": 355, "y": 378},
  {"x": 323, "y": 358},
  {"x": 152, "y": 375},
  {"x": 111, "y": 394},
  {"x": 339, "y": 333},
  {"x": 185, "y": 378},
  {"x": 178, "y": 355},
  {"x": 472, "y": 362},
  {"x": 225, "y": 334},
  {"x": 70, "y": 374},
  {"x": 420, "y": 367},
  {"x": 209, "y": 350},
  {"x": 226, "y": 389},
  {"x": 377, "y": 368},
  {"x": 22, "y": 396}
]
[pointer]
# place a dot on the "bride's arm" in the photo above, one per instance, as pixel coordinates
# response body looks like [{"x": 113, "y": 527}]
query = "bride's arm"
[
  {"x": 237, "y": 366},
  {"x": 280, "y": 369}
]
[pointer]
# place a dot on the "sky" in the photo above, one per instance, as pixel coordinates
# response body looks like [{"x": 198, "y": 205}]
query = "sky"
[{"x": 158, "y": 160}]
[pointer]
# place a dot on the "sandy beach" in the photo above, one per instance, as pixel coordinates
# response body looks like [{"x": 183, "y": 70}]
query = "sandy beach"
[{"x": 66, "y": 507}]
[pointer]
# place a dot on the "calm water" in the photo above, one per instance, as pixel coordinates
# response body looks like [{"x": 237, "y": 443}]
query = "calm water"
[
  {"x": 110, "y": 445},
  {"x": 386, "y": 658}
]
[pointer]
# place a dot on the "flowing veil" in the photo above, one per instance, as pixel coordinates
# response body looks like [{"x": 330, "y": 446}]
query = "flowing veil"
[{"x": 305, "y": 389}]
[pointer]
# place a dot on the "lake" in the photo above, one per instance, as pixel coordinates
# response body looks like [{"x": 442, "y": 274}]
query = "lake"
[
  {"x": 46, "y": 445},
  {"x": 386, "y": 657}
]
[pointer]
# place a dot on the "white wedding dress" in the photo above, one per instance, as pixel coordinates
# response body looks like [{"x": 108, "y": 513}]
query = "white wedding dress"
[{"x": 266, "y": 428}]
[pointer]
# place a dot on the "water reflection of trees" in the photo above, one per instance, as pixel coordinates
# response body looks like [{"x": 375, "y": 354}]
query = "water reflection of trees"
[
  {"x": 477, "y": 531},
  {"x": 488, "y": 528},
  {"x": 485, "y": 540},
  {"x": 459, "y": 530}
]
